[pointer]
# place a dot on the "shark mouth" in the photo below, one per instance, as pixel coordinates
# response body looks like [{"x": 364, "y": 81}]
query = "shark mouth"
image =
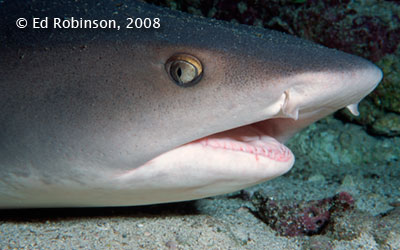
[
  {"x": 262, "y": 139},
  {"x": 222, "y": 162}
]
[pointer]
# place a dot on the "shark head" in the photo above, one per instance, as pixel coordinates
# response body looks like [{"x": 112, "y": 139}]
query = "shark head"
[
  {"x": 193, "y": 109},
  {"x": 242, "y": 110}
]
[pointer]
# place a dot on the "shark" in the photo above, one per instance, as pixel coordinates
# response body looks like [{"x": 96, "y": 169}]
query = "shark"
[{"x": 137, "y": 104}]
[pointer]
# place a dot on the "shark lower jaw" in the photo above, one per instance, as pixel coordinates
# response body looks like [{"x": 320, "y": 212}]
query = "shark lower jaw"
[
  {"x": 248, "y": 149},
  {"x": 219, "y": 163}
]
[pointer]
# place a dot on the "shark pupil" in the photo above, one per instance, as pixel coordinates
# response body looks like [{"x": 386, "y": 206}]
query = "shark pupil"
[{"x": 179, "y": 72}]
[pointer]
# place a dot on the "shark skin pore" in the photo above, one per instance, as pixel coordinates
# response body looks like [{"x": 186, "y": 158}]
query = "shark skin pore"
[{"x": 95, "y": 117}]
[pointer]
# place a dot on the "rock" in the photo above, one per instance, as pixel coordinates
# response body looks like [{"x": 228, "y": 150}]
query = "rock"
[{"x": 295, "y": 218}]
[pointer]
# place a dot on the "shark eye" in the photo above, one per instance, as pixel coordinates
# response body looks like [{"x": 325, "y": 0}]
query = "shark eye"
[{"x": 185, "y": 70}]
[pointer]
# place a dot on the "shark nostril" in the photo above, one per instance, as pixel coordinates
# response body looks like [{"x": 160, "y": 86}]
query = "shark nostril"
[{"x": 290, "y": 109}]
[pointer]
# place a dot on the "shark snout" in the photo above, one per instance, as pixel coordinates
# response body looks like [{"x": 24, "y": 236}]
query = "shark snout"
[
  {"x": 327, "y": 91},
  {"x": 365, "y": 80}
]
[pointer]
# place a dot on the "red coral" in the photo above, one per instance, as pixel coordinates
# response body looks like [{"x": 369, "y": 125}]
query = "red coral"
[{"x": 304, "y": 218}]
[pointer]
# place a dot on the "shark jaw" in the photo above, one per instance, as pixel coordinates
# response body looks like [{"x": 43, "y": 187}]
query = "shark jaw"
[
  {"x": 216, "y": 164},
  {"x": 219, "y": 163}
]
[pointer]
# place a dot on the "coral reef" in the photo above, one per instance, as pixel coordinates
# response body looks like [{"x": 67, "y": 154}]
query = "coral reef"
[{"x": 291, "y": 218}]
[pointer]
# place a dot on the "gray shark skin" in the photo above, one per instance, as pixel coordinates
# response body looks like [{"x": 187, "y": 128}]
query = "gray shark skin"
[{"x": 91, "y": 117}]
